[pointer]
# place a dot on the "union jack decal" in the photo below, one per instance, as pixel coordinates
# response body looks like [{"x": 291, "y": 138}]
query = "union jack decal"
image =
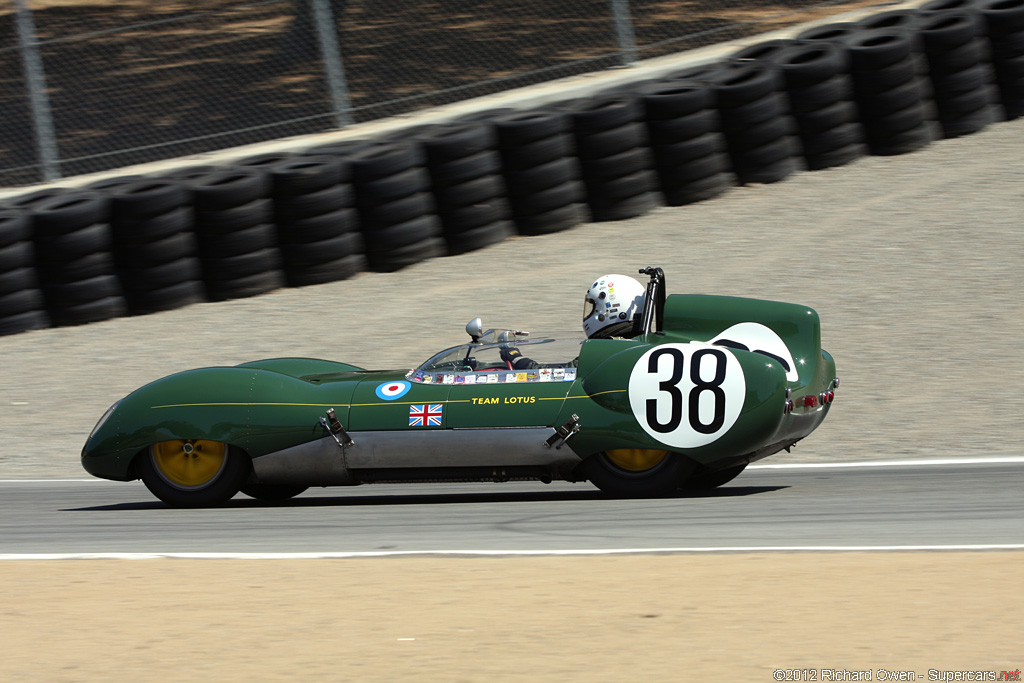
[{"x": 425, "y": 415}]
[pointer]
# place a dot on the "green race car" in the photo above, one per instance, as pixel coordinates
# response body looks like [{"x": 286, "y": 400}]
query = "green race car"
[{"x": 703, "y": 386}]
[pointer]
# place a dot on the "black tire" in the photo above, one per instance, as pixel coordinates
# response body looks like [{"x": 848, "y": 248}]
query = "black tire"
[
  {"x": 384, "y": 160},
  {"x": 905, "y": 19},
  {"x": 241, "y": 217},
  {"x": 20, "y": 301},
  {"x": 743, "y": 83},
  {"x": 17, "y": 279},
  {"x": 838, "y": 157},
  {"x": 271, "y": 493},
  {"x": 532, "y": 154},
  {"x": 455, "y": 171},
  {"x": 702, "y": 480},
  {"x": 659, "y": 481},
  {"x": 17, "y": 255},
  {"x": 603, "y": 144},
  {"x": 877, "y": 48},
  {"x": 834, "y": 32},
  {"x": 903, "y": 142},
  {"x": 618, "y": 165},
  {"x": 229, "y": 188},
  {"x": 23, "y": 322},
  {"x": 403, "y": 210},
  {"x": 688, "y": 127},
  {"x": 401, "y": 235},
  {"x": 555, "y": 220},
  {"x": 623, "y": 209},
  {"x": 403, "y": 257},
  {"x": 160, "y": 276},
  {"x": 478, "y": 238},
  {"x": 73, "y": 270},
  {"x": 550, "y": 199},
  {"x": 475, "y": 216},
  {"x": 69, "y": 212},
  {"x": 698, "y": 190},
  {"x": 765, "y": 51},
  {"x": 296, "y": 207},
  {"x": 805, "y": 64},
  {"x": 524, "y": 127},
  {"x": 457, "y": 141},
  {"x": 821, "y": 94},
  {"x": 828, "y": 140},
  {"x": 701, "y": 147},
  {"x": 83, "y": 291},
  {"x": 601, "y": 114},
  {"x": 316, "y": 228},
  {"x": 693, "y": 171},
  {"x": 330, "y": 271},
  {"x": 180, "y": 245},
  {"x": 480, "y": 191},
  {"x": 15, "y": 226},
  {"x": 239, "y": 242},
  {"x": 244, "y": 286},
  {"x": 220, "y": 488},
  {"x": 390, "y": 188},
  {"x": 300, "y": 256},
  {"x": 671, "y": 99},
  {"x": 303, "y": 175},
  {"x": 146, "y": 198},
  {"x": 145, "y": 231},
  {"x": 89, "y": 312},
  {"x": 166, "y": 298}
]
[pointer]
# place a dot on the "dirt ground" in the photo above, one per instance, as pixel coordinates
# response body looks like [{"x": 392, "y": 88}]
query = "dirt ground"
[{"x": 650, "y": 618}]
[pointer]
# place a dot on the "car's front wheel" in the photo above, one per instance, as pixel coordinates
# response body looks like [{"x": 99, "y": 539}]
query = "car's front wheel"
[
  {"x": 637, "y": 472},
  {"x": 272, "y": 492},
  {"x": 191, "y": 473}
]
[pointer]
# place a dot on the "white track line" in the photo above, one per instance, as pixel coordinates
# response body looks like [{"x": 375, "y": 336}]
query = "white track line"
[
  {"x": 1007, "y": 460},
  {"x": 505, "y": 553}
]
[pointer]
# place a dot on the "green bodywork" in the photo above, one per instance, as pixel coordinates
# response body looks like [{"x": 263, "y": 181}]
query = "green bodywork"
[{"x": 267, "y": 406}]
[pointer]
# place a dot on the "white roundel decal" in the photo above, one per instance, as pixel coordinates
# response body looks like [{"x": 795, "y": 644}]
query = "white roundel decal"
[
  {"x": 389, "y": 391},
  {"x": 687, "y": 395}
]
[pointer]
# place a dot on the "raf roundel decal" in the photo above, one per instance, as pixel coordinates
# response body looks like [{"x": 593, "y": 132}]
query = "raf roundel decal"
[
  {"x": 389, "y": 391},
  {"x": 687, "y": 395}
]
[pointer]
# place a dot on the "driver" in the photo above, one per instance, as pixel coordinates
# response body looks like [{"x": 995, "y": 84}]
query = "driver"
[{"x": 610, "y": 306}]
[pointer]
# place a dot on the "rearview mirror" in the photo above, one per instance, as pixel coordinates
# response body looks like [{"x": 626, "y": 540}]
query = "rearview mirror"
[{"x": 475, "y": 328}]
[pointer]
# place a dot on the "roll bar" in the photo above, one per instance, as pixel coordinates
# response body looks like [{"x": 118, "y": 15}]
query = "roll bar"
[{"x": 653, "y": 312}]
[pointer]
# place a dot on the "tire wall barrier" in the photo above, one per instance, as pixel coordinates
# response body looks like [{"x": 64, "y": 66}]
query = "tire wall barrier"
[{"x": 889, "y": 84}]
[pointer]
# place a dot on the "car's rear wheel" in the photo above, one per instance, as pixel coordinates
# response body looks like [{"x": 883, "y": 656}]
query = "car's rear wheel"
[
  {"x": 704, "y": 481},
  {"x": 193, "y": 472},
  {"x": 272, "y": 492},
  {"x": 637, "y": 472}
]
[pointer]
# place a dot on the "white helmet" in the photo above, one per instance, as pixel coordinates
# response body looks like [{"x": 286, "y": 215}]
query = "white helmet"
[{"x": 612, "y": 300}]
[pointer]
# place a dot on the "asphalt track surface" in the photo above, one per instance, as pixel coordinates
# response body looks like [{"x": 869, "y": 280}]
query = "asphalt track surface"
[{"x": 963, "y": 505}]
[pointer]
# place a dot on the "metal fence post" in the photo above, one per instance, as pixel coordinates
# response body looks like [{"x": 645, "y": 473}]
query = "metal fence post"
[
  {"x": 333, "y": 67},
  {"x": 39, "y": 99},
  {"x": 624, "y": 31}
]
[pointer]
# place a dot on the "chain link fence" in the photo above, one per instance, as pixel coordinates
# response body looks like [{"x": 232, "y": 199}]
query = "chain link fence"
[{"x": 91, "y": 86}]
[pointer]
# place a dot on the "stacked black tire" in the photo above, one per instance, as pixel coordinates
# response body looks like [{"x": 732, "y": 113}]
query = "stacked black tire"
[
  {"x": 816, "y": 76},
  {"x": 754, "y": 114},
  {"x": 74, "y": 258},
  {"x": 892, "y": 106},
  {"x": 317, "y": 222},
  {"x": 960, "y": 75},
  {"x": 235, "y": 231},
  {"x": 687, "y": 147},
  {"x": 21, "y": 302},
  {"x": 614, "y": 157},
  {"x": 465, "y": 176},
  {"x": 1004, "y": 21},
  {"x": 396, "y": 209},
  {"x": 154, "y": 245},
  {"x": 541, "y": 174}
]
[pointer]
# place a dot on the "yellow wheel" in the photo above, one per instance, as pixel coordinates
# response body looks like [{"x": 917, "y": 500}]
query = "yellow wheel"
[
  {"x": 637, "y": 472},
  {"x": 189, "y": 464},
  {"x": 193, "y": 472},
  {"x": 636, "y": 459}
]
